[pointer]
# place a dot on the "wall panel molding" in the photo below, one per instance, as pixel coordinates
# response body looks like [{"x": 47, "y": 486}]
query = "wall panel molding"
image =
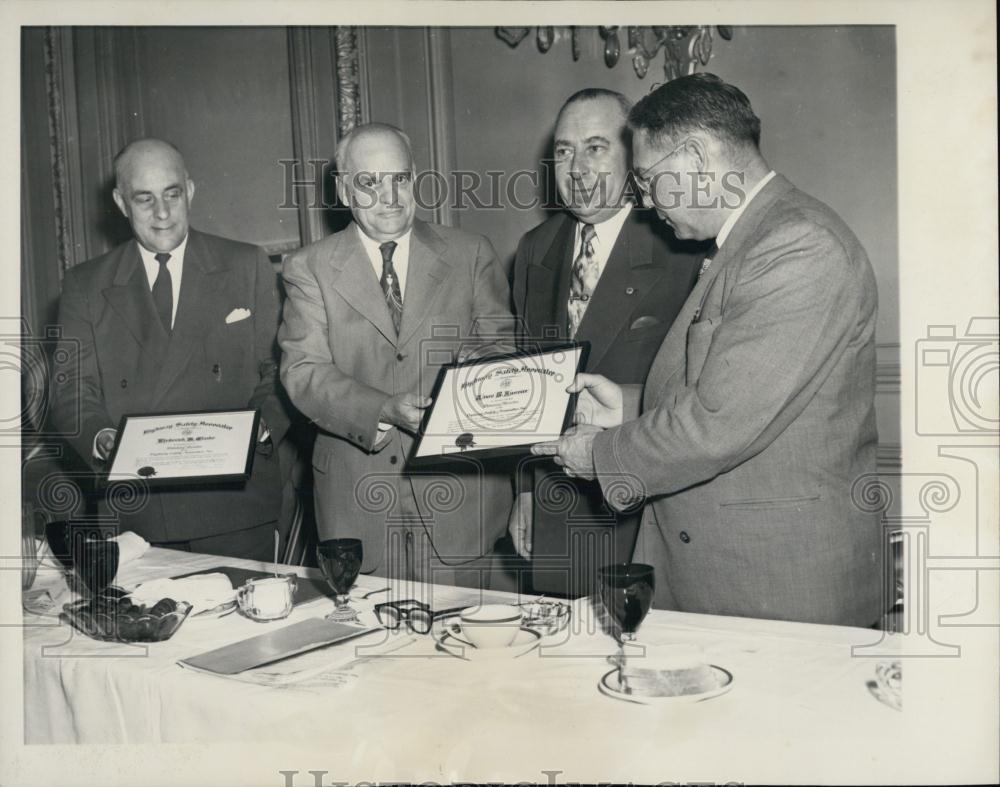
[
  {"x": 346, "y": 58},
  {"x": 308, "y": 185},
  {"x": 440, "y": 114},
  {"x": 64, "y": 154}
]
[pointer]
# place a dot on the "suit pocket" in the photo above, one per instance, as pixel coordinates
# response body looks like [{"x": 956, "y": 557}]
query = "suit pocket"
[
  {"x": 699, "y": 340},
  {"x": 759, "y": 529},
  {"x": 321, "y": 456},
  {"x": 771, "y": 503}
]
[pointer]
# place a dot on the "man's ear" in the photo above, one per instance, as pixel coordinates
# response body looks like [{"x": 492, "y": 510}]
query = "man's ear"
[
  {"x": 342, "y": 190},
  {"x": 189, "y": 185},
  {"x": 699, "y": 153},
  {"x": 119, "y": 201}
]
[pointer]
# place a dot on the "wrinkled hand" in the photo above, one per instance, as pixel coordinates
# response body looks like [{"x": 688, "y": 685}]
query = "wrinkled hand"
[
  {"x": 405, "y": 410},
  {"x": 599, "y": 403},
  {"x": 519, "y": 525},
  {"x": 105, "y": 443},
  {"x": 574, "y": 451}
]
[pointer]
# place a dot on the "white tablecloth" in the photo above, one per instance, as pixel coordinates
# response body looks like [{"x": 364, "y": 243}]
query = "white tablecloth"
[{"x": 799, "y": 703}]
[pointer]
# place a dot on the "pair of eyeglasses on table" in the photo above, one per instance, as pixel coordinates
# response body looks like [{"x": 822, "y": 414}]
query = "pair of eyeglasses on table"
[{"x": 416, "y": 615}]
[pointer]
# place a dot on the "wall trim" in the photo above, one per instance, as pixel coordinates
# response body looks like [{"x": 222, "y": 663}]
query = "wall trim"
[
  {"x": 889, "y": 457},
  {"x": 346, "y": 58},
  {"x": 888, "y": 369},
  {"x": 441, "y": 124},
  {"x": 305, "y": 138}
]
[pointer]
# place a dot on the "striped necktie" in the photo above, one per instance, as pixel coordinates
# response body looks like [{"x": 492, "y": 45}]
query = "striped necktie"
[{"x": 390, "y": 284}]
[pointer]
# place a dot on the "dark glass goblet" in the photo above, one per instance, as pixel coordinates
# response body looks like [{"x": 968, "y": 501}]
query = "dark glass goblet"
[
  {"x": 57, "y": 534},
  {"x": 340, "y": 560},
  {"x": 96, "y": 563},
  {"x": 627, "y": 594}
]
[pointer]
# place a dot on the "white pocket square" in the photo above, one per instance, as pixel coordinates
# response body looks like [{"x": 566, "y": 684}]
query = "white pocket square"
[{"x": 236, "y": 315}]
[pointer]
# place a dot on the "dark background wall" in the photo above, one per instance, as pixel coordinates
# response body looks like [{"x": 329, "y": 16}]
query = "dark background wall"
[{"x": 240, "y": 101}]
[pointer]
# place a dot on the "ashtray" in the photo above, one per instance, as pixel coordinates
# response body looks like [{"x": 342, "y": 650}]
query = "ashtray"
[
  {"x": 112, "y": 617},
  {"x": 545, "y": 617},
  {"x": 651, "y": 687}
]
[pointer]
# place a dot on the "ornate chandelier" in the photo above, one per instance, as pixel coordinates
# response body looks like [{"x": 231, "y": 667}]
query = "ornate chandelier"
[{"x": 684, "y": 46}]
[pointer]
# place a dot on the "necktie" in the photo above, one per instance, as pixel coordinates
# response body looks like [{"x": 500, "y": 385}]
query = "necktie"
[
  {"x": 707, "y": 262},
  {"x": 390, "y": 284},
  {"x": 163, "y": 292},
  {"x": 585, "y": 275}
]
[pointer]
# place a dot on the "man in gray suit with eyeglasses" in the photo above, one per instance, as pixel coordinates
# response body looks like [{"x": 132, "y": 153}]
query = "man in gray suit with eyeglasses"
[{"x": 757, "y": 417}]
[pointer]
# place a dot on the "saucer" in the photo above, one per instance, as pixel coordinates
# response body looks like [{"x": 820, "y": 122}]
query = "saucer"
[
  {"x": 608, "y": 685},
  {"x": 524, "y": 642},
  {"x": 216, "y": 612}
]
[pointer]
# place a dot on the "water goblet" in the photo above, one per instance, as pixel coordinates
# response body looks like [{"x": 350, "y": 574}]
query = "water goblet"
[
  {"x": 340, "y": 561},
  {"x": 627, "y": 594}
]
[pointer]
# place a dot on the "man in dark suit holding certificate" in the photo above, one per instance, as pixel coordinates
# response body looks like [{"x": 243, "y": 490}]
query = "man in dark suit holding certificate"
[
  {"x": 174, "y": 320},
  {"x": 757, "y": 417},
  {"x": 606, "y": 273}
]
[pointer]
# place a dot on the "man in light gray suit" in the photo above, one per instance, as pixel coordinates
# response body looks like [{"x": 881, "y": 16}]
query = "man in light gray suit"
[
  {"x": 372, "y": 313},
  {"x": 758, "y": 412}
]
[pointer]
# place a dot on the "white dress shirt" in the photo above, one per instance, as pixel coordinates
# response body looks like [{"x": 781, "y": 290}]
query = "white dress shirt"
[
  {"x": 605, "y": 235},
  {"x": 400, "y": 258},
  {"x": 176, "y": 267},
  {"x": 735, "y": 215}
]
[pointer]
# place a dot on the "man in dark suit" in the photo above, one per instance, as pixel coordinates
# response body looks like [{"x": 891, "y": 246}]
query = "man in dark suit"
[
  {"x": 601, "y": 272},
  {"x": 174, "y": 320},
  {"x": 758, "y": 414},
  {"x": 372, "y": 313}
]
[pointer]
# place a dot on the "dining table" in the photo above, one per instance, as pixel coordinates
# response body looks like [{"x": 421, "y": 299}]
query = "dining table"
[{"x": 803, "y": 699}]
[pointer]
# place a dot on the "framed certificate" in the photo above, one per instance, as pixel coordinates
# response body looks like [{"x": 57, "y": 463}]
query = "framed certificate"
[
  {"x": 500, "y": 405},
  {"x": 172, "y": 449}
]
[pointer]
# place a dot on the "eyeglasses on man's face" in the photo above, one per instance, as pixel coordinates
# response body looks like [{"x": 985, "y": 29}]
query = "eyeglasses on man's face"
[{"x": 643, "y": 179}]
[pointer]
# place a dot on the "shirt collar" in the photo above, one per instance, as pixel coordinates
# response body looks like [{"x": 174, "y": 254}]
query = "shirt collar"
[
  {"x": 608, "y": 230},
  {"x": 735, "y": 215},
  {"x": 371, "y": 246},
  {"x": 177, "y": 255}
]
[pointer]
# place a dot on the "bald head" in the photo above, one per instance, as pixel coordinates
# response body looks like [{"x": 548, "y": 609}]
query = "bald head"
[
  {"x": 154, "y": 192},
  {"x": 375, "y": 179}
]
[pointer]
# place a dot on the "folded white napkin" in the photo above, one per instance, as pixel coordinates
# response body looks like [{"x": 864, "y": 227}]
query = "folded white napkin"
[
  {"x": 202, "y": 591},
  {"x": 131, "y": 546}
]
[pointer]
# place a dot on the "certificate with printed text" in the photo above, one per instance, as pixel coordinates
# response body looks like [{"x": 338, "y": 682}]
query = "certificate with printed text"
[
  {"x": 185, "y": 448},
  {"x": 500, "y": 405}
]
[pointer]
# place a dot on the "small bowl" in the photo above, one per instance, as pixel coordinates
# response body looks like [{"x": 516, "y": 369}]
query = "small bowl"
[
  {"x": 114, "y": 618},
  {"x": 490, "y": 625},
  {"x": 546, "y": 617}
]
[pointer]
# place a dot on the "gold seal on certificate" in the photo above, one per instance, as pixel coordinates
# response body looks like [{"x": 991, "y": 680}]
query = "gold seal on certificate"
[
  {"x": 185, "y": 448},
  {"x": 500, "y": 405}
]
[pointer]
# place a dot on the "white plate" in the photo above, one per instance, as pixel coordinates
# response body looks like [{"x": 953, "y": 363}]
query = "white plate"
[
  {"x": 525, "y": 641},
  {"x": 608, "y": 685}
]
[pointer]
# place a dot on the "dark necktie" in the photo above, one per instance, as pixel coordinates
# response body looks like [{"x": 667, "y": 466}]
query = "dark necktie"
[
  {"x": 163, "y": 292},
  {"x": 390, "y": 284}
]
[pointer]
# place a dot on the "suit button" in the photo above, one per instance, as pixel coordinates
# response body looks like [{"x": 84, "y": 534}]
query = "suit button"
[
  {"x": 630, "y": 290},
  {"x": 400, "y": 356},
  {"x": 215, "y": 369},
  {"x": 392, "y": 460},
  {"x": 124, "y": 383},
  {"x": 685, "y": 537}
]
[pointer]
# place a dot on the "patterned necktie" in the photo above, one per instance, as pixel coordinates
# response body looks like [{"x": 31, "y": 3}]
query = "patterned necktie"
[
  {"x": 163, "y": 292},
  {"x": 390, "y": 284},
  {"x": 585, "y": 275},
  {"x": 707, "y": 262}
]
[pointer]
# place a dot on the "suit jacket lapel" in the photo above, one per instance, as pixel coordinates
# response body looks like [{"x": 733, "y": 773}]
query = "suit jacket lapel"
[
  {"x": 671, "y": 355},
  {"x": 129, "y": 295},
  {"x": 630, "y": 265},
  {"x": 426, "y": 271},
  {"x": 351, "y": 274},
  {"x": 201, "y": 282},
  {"x": 555, "y": 271}
]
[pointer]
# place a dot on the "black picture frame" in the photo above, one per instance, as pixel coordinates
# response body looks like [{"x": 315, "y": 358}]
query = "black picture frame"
[
  {"x": 499, "y": 452},
  {"x": 187, "y": 481}
]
